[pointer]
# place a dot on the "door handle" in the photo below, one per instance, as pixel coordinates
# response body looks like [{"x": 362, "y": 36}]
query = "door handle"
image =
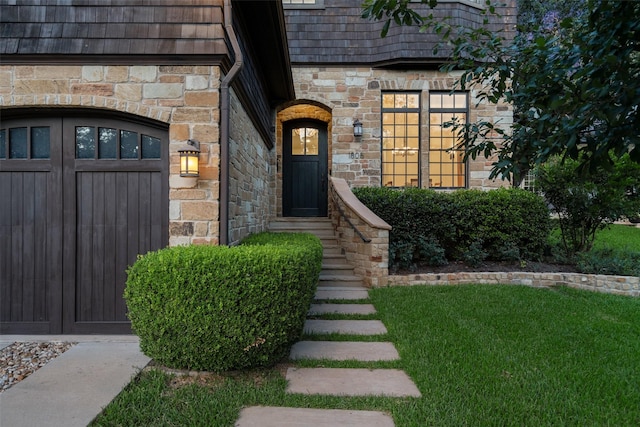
[{"x": 324, "y": 182}]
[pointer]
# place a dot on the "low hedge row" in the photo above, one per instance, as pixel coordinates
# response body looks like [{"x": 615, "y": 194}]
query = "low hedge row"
[
  {"x": 434, "y": 228},
  {"x": 218, "y": 308}
]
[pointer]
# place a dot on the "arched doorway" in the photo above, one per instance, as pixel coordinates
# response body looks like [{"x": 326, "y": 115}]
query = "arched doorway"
[{"x": 305, "y": 171}]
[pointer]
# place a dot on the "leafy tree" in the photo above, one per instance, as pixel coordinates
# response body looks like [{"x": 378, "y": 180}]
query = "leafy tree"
[
  {"x": 576, "y": 85},
  {"x": 586, "y": 203}
]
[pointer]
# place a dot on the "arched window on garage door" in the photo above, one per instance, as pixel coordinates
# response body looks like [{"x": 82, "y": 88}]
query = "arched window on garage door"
[{"x": 81, "y": 196}]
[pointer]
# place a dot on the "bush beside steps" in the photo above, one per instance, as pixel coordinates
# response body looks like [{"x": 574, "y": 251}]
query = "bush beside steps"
[{"x": 219, "y": 308}]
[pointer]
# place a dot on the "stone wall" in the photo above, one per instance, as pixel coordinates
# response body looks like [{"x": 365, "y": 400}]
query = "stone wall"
[
  {"x": 619, "y": 285},
  {"x": 362, "y": 235},
  {"x": 251, "y": 167},
  {"x": 185, "y": 97},
  {"x": 355, "y": 93}
]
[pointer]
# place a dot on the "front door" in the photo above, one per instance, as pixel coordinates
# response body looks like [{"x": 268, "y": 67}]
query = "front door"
[{"x": 305, "y": 169}]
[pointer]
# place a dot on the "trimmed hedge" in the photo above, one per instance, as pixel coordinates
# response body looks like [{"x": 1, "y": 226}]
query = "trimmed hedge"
[
  {"x": 434, "y": 228},
  {"x": 218, "y": 308}
]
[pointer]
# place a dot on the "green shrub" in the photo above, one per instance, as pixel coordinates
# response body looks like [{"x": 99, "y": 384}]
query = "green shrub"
[
  {"x": 411, "y": 213},
  {"x": 609, "y": 261},
  {"x": 217, "y": 308},
  {"x": 505, "y": 220},
  {"x": 475, "y": 254},
  {"x": 500, "y": 225}
]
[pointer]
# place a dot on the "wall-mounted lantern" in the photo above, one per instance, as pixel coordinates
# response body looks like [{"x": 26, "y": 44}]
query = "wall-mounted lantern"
[
  {"x": 189, "y": 155},
  {"x": 357, "y": 128}
]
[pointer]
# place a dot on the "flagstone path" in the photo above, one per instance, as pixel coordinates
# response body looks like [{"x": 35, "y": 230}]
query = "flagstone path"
[{"x": 337, "y": 381}]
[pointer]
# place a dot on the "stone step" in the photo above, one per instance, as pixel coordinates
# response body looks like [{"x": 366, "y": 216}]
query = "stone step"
[
  {"x": 341, "y": 309},
  {"x": 339, "y": 350},
  {"x": 341, "y": 277},
  {"x": 351, "y": 327},
  {"x": 300, "y": 220},
  {"x": 333, "y": 257},
  {"x": 351, "y": 382},
  {"x": 340, "y": 281},
  {"x": 331, "y": 284},
  {"x": 341, "y": 293},
  {"x": 270, "y": 416},
  {"x": 330, "y": 249},
  {"x": 338, "y": 267}
]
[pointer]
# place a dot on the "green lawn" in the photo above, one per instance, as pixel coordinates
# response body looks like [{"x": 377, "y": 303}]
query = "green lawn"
[
  {"x": 480, "y": 355},
  {"x": 622, "y": 237}
]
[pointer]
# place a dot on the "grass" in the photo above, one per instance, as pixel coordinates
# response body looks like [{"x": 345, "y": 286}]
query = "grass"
[
  {"x": 620, "y": 237},
  {"x": 480, "y": 355}
]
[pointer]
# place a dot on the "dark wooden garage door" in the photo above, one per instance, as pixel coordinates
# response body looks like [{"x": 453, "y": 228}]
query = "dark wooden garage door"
[{"x": 80, "y": 198}]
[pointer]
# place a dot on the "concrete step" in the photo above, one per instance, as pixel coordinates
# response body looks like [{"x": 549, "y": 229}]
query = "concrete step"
[
  {"x": 351, "y": 327},
  {"x": 351, "y": 382},
  {"x": 269, "y": 416},
  {"x": 339, "y": 350},
  {"x": 341, "y": 309},
  {"x": 341, "y": 293}
]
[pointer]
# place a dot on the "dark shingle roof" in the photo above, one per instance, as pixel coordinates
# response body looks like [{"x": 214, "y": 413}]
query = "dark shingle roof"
[{"x": 337, "y": 34}]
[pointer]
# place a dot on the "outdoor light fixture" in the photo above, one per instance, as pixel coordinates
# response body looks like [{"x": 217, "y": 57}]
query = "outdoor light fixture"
[
  {"x": 357, "y": 128},
  {"x": 189, "y": 155}
]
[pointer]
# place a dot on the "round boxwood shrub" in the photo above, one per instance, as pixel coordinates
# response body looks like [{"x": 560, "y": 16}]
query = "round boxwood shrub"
[{"x": 217, "y": 308}]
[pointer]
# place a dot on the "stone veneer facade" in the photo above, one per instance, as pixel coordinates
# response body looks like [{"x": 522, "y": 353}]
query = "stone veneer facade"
[
  {"x": 251, "y": 169},
  {"x": 347, "y": 93},
  {"x": 186, "y": 98}
]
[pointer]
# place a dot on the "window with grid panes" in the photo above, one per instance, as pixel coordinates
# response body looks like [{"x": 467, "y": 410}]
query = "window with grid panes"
[
  {"x": 401, "y": 139},
  {"x": 446, "y": 166}
]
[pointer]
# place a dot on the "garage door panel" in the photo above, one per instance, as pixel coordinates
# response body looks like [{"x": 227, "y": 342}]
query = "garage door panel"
[
  {"x": 29, "y": 242},
  {"x": 116, "y": 221}
]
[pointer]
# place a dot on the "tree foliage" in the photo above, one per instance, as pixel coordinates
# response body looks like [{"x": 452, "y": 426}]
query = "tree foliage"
[
  {"x": 576, "y": 85},
  {"x": 586, "y": 203}
]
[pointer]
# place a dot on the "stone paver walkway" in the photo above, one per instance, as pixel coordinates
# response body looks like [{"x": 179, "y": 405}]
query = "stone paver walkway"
[
  {"x": 347, "y": 327},
  {"x": 261, "y": 416},
  {"x": 337, "y": 350},
  {"x": 329, "y": 293},
  {"x": 317, "y": 309},
  {"x": 351, "y": 382},
  {"x": 337, "y": 381}
]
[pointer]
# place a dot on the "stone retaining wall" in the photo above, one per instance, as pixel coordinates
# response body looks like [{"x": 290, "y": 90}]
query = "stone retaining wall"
[
  {"x": 618, "y": 285},
  {"x": 369, "y": 257}
]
